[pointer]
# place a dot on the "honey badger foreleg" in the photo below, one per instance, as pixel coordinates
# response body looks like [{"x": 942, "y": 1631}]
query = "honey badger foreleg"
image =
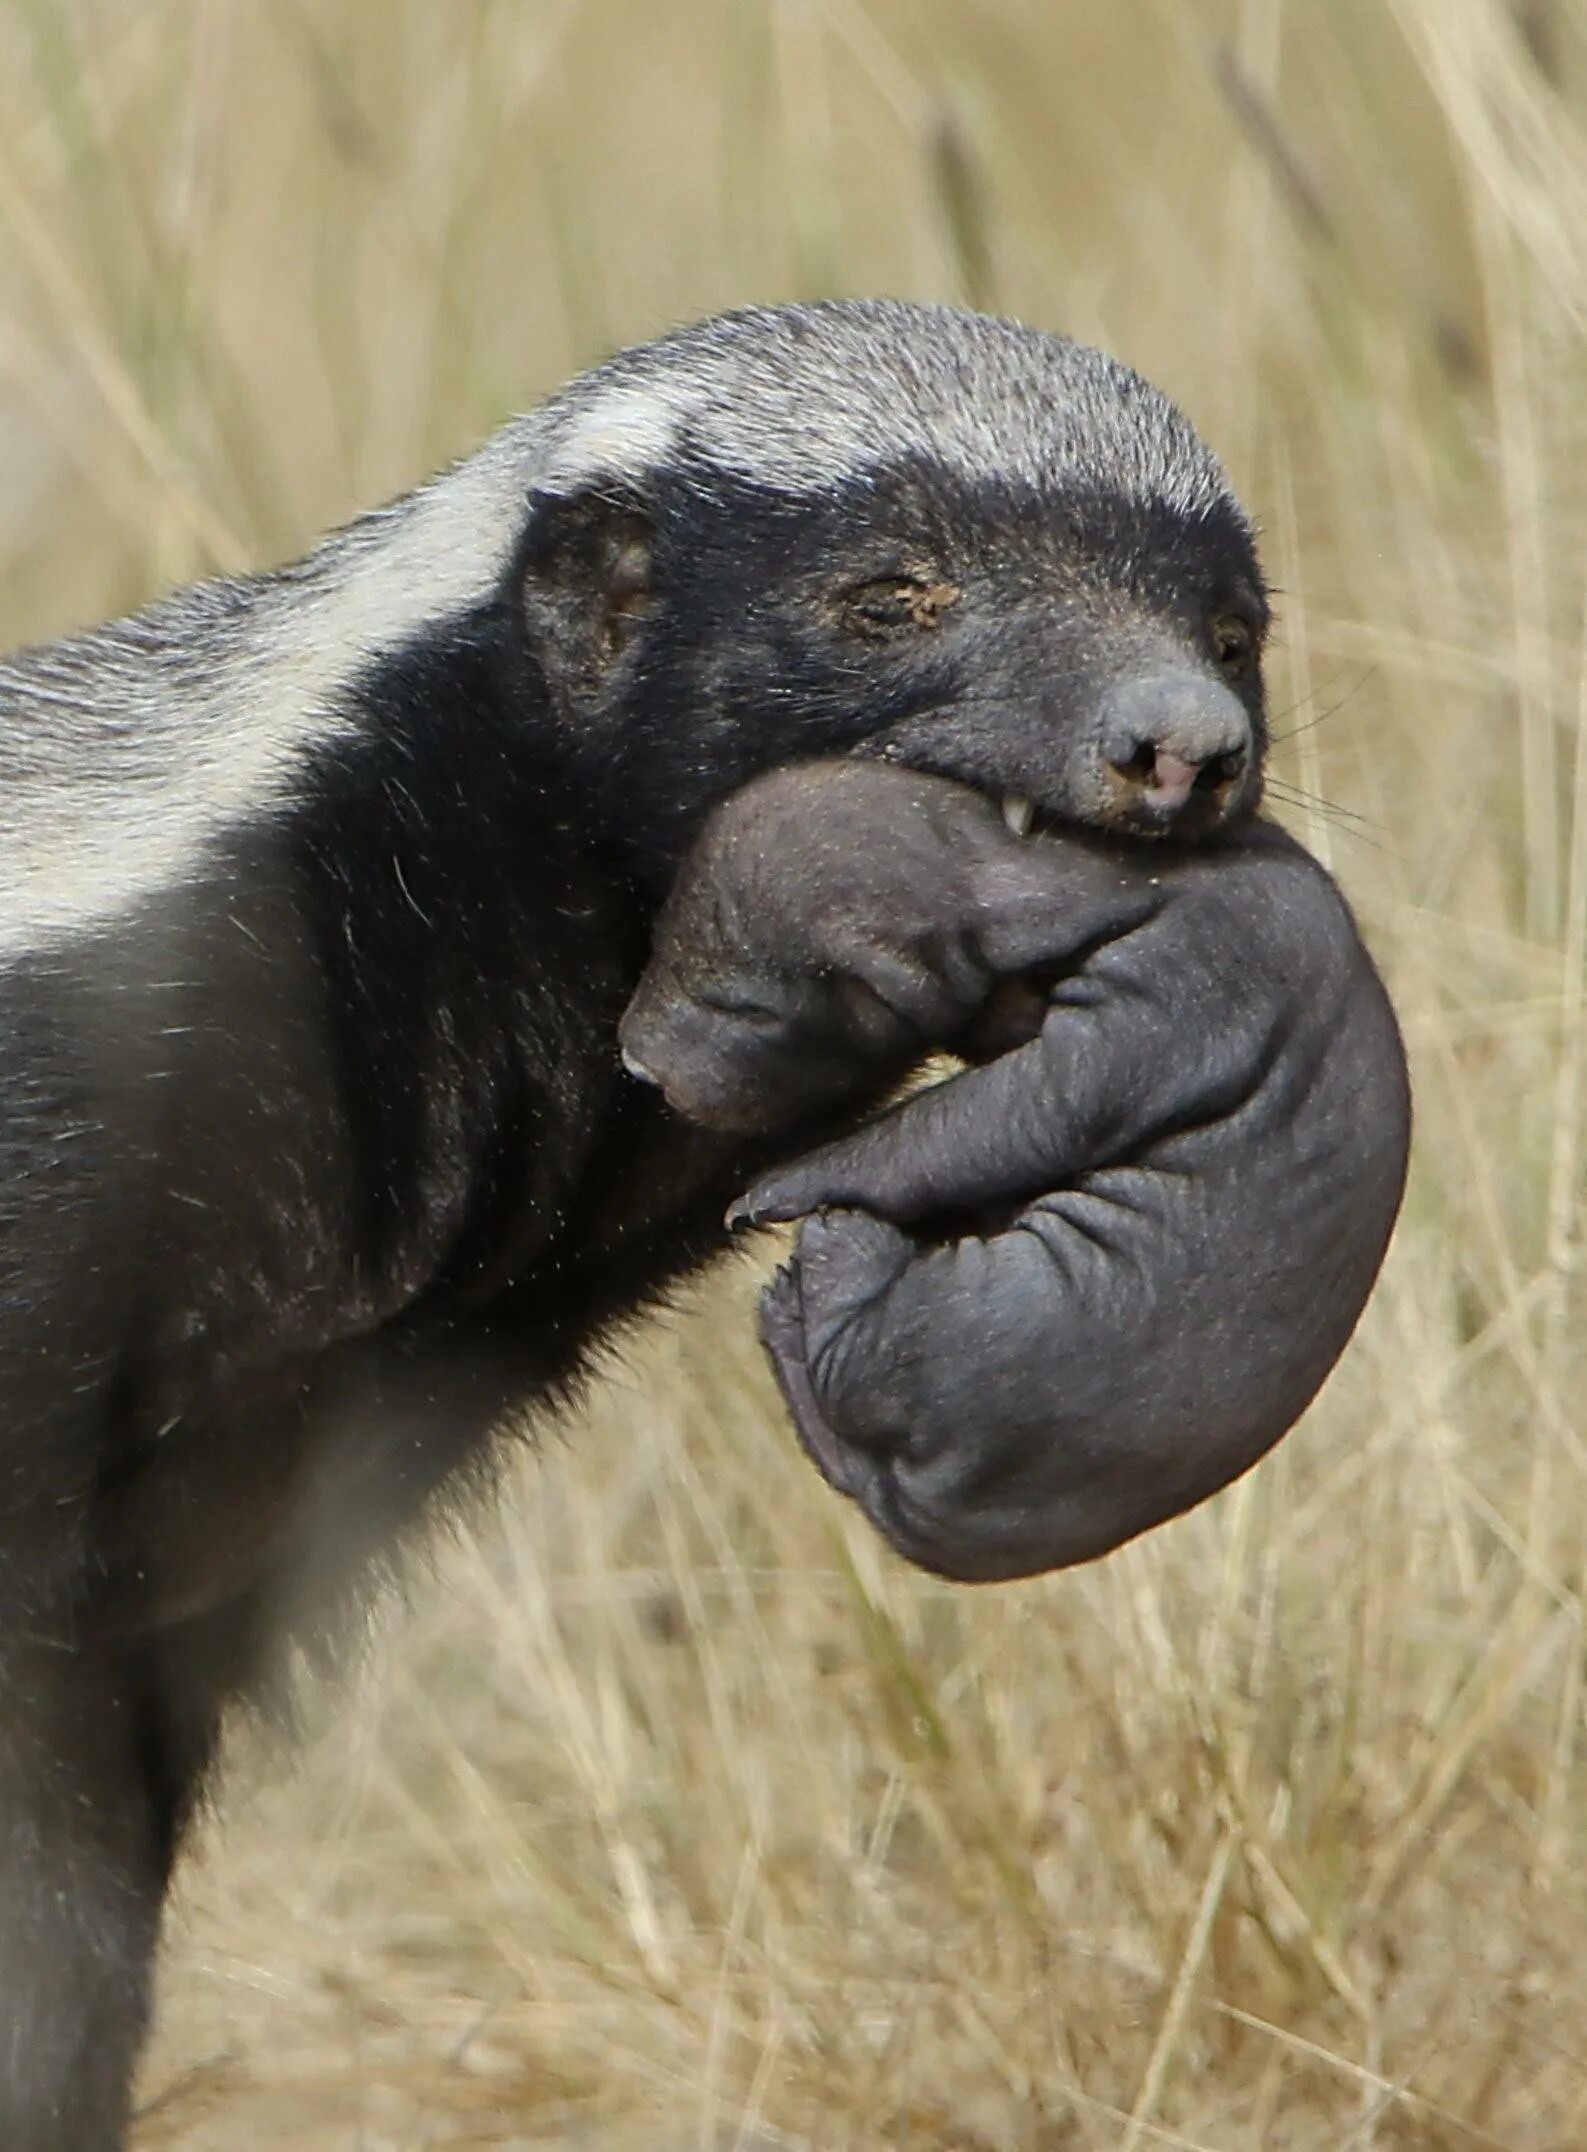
[{"x": 94, "y": 1778}]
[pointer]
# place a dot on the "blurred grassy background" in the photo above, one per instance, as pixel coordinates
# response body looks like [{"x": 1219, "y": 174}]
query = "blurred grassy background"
[{"x": 677, "y": 1816}]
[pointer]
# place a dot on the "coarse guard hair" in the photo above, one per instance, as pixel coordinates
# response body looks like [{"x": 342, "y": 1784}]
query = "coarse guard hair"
[{"x": 129, "y": 748}]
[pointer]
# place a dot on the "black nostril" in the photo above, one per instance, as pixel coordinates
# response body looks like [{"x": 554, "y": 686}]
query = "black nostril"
[
  {"x": 1140, "y": 761},
  {"x": 1220, "y": 770}
]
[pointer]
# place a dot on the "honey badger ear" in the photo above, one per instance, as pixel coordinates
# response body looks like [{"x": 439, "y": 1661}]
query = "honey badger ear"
[{"x": 585, "y": 582}]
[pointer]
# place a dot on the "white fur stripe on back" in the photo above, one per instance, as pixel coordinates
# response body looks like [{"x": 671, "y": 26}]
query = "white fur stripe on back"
[{"x": 129, "y": 749}]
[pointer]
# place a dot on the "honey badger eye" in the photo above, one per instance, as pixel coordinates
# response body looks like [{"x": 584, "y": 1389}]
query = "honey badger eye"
[
  {"x": 1233, "y": 642},
  {"x": 894, "y": 605}
]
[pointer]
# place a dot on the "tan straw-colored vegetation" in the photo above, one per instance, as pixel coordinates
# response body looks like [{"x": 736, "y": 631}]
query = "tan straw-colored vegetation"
[{"x": 673, "y": 1816}]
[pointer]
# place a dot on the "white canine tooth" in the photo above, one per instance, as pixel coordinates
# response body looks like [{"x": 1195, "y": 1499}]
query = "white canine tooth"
[{"x": 1018, "y": 813}]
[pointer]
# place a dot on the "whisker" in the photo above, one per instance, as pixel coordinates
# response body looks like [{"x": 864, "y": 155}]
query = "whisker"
[
  {"x": 1277, "y": 738},
  {"x": 1346, "y": 820},
  {"x": 1298, "y": 796}
]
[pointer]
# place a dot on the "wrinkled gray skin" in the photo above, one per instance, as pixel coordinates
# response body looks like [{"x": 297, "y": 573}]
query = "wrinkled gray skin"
[{"x": 1059, "y": 1298}]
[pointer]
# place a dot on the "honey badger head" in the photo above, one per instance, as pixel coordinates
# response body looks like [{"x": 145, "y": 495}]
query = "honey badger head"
[{"x": 900, "y": 531}]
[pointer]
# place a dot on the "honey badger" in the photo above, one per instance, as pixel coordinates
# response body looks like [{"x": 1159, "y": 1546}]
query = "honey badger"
[
  {"x": 1052, "y": 1301},
  {"x": 322, "y": 893}
]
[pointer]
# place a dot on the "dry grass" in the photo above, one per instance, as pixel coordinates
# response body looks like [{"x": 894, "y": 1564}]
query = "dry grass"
[{"x": 676, "y": 1816}]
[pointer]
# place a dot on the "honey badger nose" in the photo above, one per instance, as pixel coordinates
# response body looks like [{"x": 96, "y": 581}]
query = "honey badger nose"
[{"x": 1171, "y": 735}]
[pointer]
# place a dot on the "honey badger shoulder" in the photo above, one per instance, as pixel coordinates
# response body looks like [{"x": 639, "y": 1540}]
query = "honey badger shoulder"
[{"x": 322, "y": 892}]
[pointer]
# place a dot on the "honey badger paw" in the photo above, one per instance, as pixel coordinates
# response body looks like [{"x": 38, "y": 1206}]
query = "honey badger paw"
[
  {"x": 847, "y": 1259},
  {"x": 949, "y": 1390},
  {"x": 881, "y": 1348}
]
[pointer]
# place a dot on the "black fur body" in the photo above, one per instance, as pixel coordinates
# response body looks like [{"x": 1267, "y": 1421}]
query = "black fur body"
[{"x": 322, "y": 894}]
